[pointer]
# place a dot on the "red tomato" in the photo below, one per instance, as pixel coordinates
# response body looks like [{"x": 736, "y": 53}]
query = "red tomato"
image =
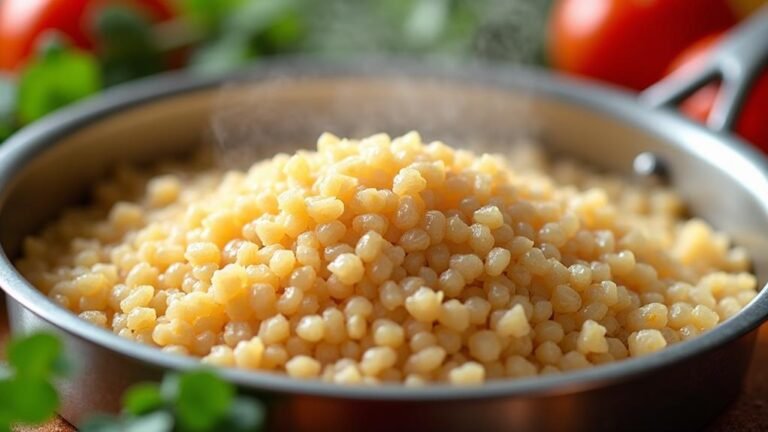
[
  {"x": 22, "y": 21},
  {"x": 752, "y": 123},
  {"x": 630, "y": 42}
]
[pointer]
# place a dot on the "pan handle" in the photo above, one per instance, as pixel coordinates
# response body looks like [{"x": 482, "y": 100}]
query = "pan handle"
[{"x": 736, "y": 60}]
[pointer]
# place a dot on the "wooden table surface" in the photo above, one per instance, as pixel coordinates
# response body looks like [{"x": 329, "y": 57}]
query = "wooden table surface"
[{"x": 748, "y": 414}]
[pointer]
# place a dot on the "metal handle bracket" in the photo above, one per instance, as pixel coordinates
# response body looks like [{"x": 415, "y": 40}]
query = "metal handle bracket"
[{"x": 736, "y": 61}]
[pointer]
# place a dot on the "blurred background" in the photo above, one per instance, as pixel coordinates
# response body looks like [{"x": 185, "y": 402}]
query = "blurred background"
[{"x": 55, "y": 52}]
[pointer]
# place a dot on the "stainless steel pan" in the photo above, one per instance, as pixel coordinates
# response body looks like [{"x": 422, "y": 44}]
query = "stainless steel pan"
[{"x": 282, "y": 105}]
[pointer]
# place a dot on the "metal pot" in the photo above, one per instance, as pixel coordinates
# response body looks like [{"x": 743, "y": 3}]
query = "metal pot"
[{"x": 281, "y": 105}]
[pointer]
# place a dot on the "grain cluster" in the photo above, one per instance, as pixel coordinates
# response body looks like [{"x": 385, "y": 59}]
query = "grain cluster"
[{"x": 391, "y": 260}]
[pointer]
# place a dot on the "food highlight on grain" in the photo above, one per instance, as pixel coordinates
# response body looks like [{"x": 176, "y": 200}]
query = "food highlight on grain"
[{"x": 392, "y": 261}]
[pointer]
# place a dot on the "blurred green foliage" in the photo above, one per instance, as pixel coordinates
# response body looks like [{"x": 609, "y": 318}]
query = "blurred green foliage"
[
  {"x": 126, "y": 50},
  {"x": 27, "y": 394},
  {"x": 195, "y": 401},
  {"x": 508, "y": 30},
  {"x": 217, "y": 36},
  {"x": 57, "y": 77}
]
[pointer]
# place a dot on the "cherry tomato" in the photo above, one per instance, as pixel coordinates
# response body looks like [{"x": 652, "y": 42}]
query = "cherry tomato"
[
  {"x": 23, "y": 21},
  {"x": 630, "y": 42},
  {"x": 752, "y": 122}
]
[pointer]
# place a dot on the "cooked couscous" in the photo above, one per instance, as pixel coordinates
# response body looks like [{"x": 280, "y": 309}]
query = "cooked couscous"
[{"x": 386, "y": 260}]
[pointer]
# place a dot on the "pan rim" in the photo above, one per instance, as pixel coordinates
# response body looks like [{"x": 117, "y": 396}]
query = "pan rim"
[{"x": 26, "y": 144}]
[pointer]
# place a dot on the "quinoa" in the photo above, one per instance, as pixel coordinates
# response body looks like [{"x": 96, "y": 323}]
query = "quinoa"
[{"x": 392, "y": 260}]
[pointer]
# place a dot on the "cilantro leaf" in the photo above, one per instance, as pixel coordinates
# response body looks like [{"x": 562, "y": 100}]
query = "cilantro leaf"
[
  {"x": 27, "y": 399},
  {"x": 203, "y": 400},
  {"x": 142, "y": 398},
  {"x": 37, "y": 356}
]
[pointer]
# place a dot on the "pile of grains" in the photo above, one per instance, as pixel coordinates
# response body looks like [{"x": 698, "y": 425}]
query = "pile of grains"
[{"x": 386, "y": 260}]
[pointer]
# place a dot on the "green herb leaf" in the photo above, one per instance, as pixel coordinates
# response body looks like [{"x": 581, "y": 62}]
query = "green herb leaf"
[
  {"x": 142, "y": 398},
  {"x": 127, "y": 50},
  {"x": 5, "y": 425},
  {"x": 102, "y": 423},
  {"x": 27, "y": 399},
  {"x": 6, "y": 130},
  {"x": 203, "y": 400},
  {"x": 36, "y": 356},
  {"x": 55, "y": 78},
  {"x": 285, "y": 32},
  {"x": 247, "y": 31},
  {"x": 158, "y": 421}
]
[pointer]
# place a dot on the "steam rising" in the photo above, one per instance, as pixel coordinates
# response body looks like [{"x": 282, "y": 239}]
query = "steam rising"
[
  {"x": 287, "y": 107},
  {"x": 492, "y": 29}
]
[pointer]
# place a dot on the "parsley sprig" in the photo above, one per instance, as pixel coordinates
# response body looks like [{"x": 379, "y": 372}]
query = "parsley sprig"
[
  {"x": 195, "y": 401},
  {"x": 27, "y": 394}
]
